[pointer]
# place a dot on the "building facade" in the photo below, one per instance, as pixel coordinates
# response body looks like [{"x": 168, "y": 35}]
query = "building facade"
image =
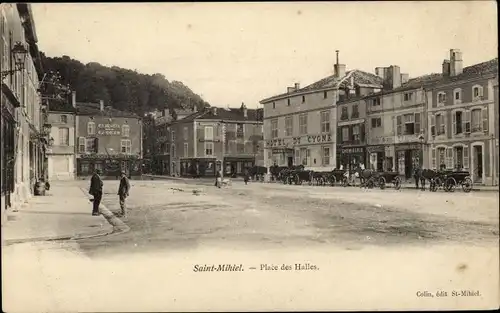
[
  {"x": 461, "y": 115},
  {"x": 300, "y": 126},
  {"x": 61, "y": 160},
  {"x": 23, "y": 140},
  {"x": 217, "y": 138},
  {"x": 351, "y": 133},
  {"x": 107, "y": 139}
]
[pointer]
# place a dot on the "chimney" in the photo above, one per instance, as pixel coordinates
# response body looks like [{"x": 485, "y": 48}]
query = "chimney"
[
  {"x": 290, "y": 89},
  {"x": 101, "y": 105},
  {"x": 297, "y": 86},
  {"x": 446, "y": 68},
  {"x": 73, "y": 98},
  {"x": 214, "y": 111},
  {"x": 380, "y": 72},
  {"x": 404, "y": 78},
  {"x": 394, "y": 77},
  {"x": 456, "y": 66},
  {"x": 339, "y": 69},
  {"x": 244, "y": 109}
]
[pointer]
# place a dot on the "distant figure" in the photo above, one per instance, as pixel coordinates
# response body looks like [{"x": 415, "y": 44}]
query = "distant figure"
[
  {"x": 246, "y": 178},
  {"x": 218, "y": 179},
  {"x": 123, "y": 193},
  {"x": 416, "y": 175},
  {"x": 96, "y": 191}
]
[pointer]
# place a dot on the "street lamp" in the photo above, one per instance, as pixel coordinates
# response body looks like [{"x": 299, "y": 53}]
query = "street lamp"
[
  {"x": 19, "y": 53},
  {"x": 421, "y": 138}
]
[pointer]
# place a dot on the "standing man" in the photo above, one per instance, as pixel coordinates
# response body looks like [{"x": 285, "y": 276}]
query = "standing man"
[
  {"x": 96, "y": 190},
  {"x": 246, "y": 178},
  {"x": 123, "y": 191}
]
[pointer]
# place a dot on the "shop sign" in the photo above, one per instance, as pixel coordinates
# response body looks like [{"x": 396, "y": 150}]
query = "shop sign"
[
  {"x": 109, "y": 129},
  {"x": 352, "y": 150},
  {"x": 276, "y": 143},
  {"x": 414, "y": 146},
  {"x": 105, "y": 156},
  {"x": 375, "y": 149},
  {"x": 382, "y": 140},
  {"x": 319, "y": 138}
]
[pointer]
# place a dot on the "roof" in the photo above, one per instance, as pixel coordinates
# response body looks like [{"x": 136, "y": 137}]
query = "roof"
[
  {"x": 330, "y": 82},
  {"x": 226, "y": 114},
  {"x": 85, "y": 108}
]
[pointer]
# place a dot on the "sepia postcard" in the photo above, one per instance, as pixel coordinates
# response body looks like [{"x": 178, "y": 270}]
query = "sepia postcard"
[{"x": 249, "y": 156}]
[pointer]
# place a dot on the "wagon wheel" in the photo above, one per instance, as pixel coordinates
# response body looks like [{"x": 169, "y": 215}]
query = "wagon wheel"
[
  {"x": 451, "y": 183},
  {"x": 381, "y": 183},
  {"x": 333, "y": 180},
  {"x": 369, "y": 183},
  {"x": 438, "y": 183},
  {"x": 433, "y": 185},
  {"x": 321, "y": 181},
  {"x": 397, "y": 183},
  {"x": 467, "y": 184}
]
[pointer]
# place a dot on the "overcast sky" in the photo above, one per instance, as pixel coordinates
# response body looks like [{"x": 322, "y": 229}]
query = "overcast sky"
[{"x": 243, "y": 52}]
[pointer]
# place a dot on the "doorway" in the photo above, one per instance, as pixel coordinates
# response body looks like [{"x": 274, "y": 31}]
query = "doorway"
[
  {"x": 408, "y": 164},
  {"x": 477, "y": 169},
  {"x": 290, "y": 161}
]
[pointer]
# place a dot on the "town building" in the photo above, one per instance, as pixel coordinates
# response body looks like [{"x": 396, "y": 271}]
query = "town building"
[
  {"x": 107, "y": 139},
  {"x": 300, "y": 125},
  {"x": 496, "y": 159},
  {"x": 461, "y": 115},
  {"x": 215, "y": 138},
  {"x": 397, "y": 123},
  {"x": 23, "y": 136},
  {"x": 61, "y": 161}
]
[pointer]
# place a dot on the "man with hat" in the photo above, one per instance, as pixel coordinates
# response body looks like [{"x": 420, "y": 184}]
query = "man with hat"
[
  {"x": 123, "y": 191},
  {"x": 96, "y": 190}
]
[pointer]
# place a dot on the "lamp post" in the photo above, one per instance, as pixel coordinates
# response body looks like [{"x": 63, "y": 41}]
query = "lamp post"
[
  {"x": 19, "y": 53},
  {"x": 421, "y": 138}
]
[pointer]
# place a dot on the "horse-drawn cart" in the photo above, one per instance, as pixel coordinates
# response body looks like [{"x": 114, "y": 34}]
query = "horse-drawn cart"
[
  {"x": 448, "y": 180},
  {"x": 370, "y": 179}
]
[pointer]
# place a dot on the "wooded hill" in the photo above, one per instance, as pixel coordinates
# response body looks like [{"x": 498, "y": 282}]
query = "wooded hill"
[{"x": 121, "y": 88}]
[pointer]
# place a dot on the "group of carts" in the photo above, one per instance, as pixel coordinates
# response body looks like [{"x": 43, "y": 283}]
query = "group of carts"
[{"x": 447, "y": 180}]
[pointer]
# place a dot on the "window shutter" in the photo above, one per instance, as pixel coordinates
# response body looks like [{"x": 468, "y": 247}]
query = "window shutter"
[
  {"x": 466, "y": 157},
  {"x": 362, "y": 132},
  {"x": 433, "y": 125},
  {"x": 398, "y": 125},
  {"x": 454, "y": 157},
  {"x": 96, "y": 145},
  {"x": 417, "y": 123},
  {"x": 454, "y": 123},
  {"x": 467, "y": 121},
  {"x": 81, "y": 141},
  {"x": 484, "y": 115},
  {"x": 350, "y": 133},
  {"x": 445, "y": 123},
  {"x": 71, "y": 134},
  {"x": 449, "y": 158},
  {"x": 433, "y": 151}
]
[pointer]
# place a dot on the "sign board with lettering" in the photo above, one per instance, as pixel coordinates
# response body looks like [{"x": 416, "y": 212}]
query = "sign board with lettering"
[
  {"x": 309, "y": 139},
  {"x": 352, "y": 150},
  {"x": 109, "y": 129},
  {"x": 414, "y": 146}
]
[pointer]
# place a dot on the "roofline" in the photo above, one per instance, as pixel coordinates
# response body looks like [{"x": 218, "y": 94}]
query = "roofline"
[
  {"x": 67, "y": 112},
  {"x": 488, "y": 74},
  {"x": 284, "y": 96},
  {"x": 229, "y": 121}
]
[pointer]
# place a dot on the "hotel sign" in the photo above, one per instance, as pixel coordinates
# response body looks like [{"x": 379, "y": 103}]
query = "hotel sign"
[
  {"x": 300, "y": 140},
  {"x": 109, "y": 129}
]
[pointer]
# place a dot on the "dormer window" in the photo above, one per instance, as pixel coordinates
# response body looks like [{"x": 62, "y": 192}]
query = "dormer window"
[
  {"x": 477, "y": 93},
  {"x": 274, "y": 105},
  {"x": 441, "y": 98}
]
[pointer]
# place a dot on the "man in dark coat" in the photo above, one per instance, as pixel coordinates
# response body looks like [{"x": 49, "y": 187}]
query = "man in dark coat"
[
  {"x": 96, "y": 190},
  {"x": 246, "y": 176},
  {"x": 123, "y": 192}
]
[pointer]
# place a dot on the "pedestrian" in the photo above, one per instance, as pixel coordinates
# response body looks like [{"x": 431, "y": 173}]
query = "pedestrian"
[
  {"x": 123, "y": 193},
  {"x": 416, "y": 175},
  {"x": 218, "y": 179},
  {"x": 96, "y": 191},
  {"x": 246, "y": 178}
]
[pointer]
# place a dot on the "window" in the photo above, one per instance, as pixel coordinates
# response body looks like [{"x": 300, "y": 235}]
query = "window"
[
  {"x": 274, "y": 105},
  {"x": 297, "y": 157},
  {"x": 240, "y": 148},
  {"x": 304, "y": 156},
  {"x": 440, "y": 124},
  {"x": 355, "y": 111},
  {"x": 325, "y": 121},
  {"x": 441, "y": 154},
  {"x": 326, "y": 155},
  {"x": 476, "y": 120},
  {"x": 209, "y": 133},
  {"x": 288, "y": 102},
  {"x": 91, "y": 145},
  {"x": 458, "y": 158},
  {"x": 376, "y": 122},
  {"x": 240, "y": 130},
  {"x": 325, "y": 94},
  {"x": 408, "y": 96},
  {"x": 274, "y": 128},
  {"x": 355, "y": 133},
  {"x": 303, "y": 123},
  {"x": 458, "y": 122},
  {"x": 345, "y": 134},
  {"x": 209, "y": 148},
  {"x": 186, "y": 146},
  {"x": 90, "y": 128},
  {"x": 344, "y": 115},
  {"x": 303, "y": 99},
  {"x": 126, "y": 146},
  {"x": 457, "y": 98},
  {"x": 375, "y": 101},
  {"x": 185, "y": 133},
  {"x": 289, "y": 126},
  {"x": 125, "y": 130},
  {"x": 63, "y": 119},
  {"x": 441, "y": 98},
  {"x": 81, "y": 144},
  {"x": 477, "y": 93},
  {"x": 409, "y": 124},
  {"x": 173, "y": 136},
  {"x": 64, "y": 136},
  {"x": 174, "y": 151}
]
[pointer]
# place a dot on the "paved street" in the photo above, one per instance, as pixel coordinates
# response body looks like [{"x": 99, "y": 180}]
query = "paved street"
[
  {"x": 434, "y": 239},
  {"x": 167, "y": 215}
]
